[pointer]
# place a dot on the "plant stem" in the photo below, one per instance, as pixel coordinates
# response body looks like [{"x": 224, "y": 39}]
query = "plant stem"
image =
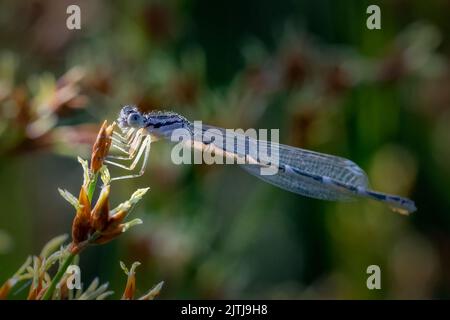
[
  {"x": 91, "y": 187},
  {"x": 49, "y": 293}
]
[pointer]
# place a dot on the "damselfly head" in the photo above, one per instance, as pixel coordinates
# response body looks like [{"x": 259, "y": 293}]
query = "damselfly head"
[
  {"x": 130, "y": 117},
  {"x": 158, "y": 123}
]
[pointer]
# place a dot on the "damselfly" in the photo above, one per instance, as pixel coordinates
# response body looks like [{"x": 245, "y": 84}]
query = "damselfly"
[{"x": 304, "y": 172}]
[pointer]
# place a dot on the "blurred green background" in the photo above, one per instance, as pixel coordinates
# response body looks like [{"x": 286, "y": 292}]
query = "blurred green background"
[{"x": 310, "y": 68}]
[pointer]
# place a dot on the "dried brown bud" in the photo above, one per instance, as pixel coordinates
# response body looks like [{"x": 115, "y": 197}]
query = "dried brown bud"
[
  {"x": 113, "y": 230},
  {"x": 109, "y": 235},
  {"x": 6, "y": 288},
  {"x": 101, "y": 146},
  {"x": 130, "y": 288},
  {"x": 100, "y": 213},
  {"x": 81, "y": 224}
]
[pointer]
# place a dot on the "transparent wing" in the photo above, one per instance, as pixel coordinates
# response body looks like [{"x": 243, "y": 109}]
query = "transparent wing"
[
  {"x": 301, "y": 185},
  {"x": 314, "y": 163},
  {"x": 311, "y": 164}
]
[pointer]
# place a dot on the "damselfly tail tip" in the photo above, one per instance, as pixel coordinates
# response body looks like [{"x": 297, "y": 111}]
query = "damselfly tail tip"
[
  {"x": 405, "y": 210},
  {"x": 401, "y": 211}
]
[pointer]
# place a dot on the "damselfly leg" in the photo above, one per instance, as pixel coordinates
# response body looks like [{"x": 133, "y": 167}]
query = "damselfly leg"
[
  {"x": 123, "y": 142},
  {"x": 130, "y": 148},
  {"x": 138, "y": 145}
]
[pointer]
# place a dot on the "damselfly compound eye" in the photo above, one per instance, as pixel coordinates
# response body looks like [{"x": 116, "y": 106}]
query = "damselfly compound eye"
[{"x": 135, "y": 120}]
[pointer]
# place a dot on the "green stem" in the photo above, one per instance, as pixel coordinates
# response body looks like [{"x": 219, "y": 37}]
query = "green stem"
[
  {"x": 49, "y": 293},
  {"x": 91, "y": 187}
]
